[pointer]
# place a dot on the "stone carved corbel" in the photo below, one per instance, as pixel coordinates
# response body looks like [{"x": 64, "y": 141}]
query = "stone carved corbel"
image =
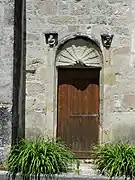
[
  {"x": 51, "y": 39},
  {"x": 107, "y": 40}
]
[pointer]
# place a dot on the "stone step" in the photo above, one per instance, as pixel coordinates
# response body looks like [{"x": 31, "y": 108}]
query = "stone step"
[
  {"x": 71, "y": 176},
  {"x": 85, "y": 168}
]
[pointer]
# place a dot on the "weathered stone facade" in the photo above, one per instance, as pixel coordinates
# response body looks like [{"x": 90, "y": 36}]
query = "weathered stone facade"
[
  {"x": 6, "y": 65},
  {"x": 91, "y": 18},
  {"x": 68, "y": 18}
]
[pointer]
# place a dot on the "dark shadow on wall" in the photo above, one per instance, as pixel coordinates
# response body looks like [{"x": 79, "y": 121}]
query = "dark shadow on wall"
[{"x": 19, "y": 71}]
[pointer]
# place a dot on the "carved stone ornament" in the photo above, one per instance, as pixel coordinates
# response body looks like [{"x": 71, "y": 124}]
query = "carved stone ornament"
[
  {"x": 51, "y": 39},
  {"x": 107, "y": 40},
  {"x": 79, "y": 51}
]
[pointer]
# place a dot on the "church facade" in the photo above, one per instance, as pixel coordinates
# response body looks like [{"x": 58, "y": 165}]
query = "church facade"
[{"x": 77, "y": 73}]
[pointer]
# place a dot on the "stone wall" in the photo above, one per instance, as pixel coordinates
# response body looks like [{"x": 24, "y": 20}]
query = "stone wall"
[
  {"x": 6, "y": 65},
  {"x": 92, "y": 18}
]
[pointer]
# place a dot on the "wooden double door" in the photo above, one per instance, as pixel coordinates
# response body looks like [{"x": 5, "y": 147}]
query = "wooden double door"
[{"x": 78, "y": 109}]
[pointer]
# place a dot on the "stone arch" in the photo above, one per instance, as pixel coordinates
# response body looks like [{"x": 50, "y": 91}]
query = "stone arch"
[{"x": 79, "y": 50}]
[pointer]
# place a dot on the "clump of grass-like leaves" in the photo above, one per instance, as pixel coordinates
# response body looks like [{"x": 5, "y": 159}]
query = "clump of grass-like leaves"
[
  {"x": 35, "y": 157},
  {"x": 115, "y": 159}
]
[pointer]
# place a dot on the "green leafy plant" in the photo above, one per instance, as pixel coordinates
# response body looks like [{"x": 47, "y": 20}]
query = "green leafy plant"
[
  {"x": 77, "y": 169},
  {"x": 115, "y": 159},
  {"x": 35, "y": 157}
]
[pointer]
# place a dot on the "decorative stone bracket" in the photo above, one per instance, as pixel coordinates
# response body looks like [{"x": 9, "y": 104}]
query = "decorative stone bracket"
[
  {"x": 51, "y": 39},
  {"x": 107, "y": 40}
]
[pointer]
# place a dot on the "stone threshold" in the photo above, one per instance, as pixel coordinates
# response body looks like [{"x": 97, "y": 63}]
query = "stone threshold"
[{"x": 68, "y": 176}]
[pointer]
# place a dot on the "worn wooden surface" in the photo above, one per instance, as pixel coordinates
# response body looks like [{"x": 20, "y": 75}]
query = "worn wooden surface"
[{"x": 78, "y": 109}]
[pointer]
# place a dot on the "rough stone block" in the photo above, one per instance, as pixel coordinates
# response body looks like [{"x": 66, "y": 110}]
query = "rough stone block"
[
  {"x": 121, "y": 51},
  {"x": 124, "y": 132},
  {"x": 37, "y": 103},
  {"x": 37, "y": 52},
  {"x": 120, "y": 59},
  {"x": 119, "y": 126},
  {"x": 110, "y": 78},
  {"x": 33, "y": 36},
  {"x": 124, "y": 87},
  {"x": 35, "y": 27},
  {"x": 80, "y": 7},
  {"x": 9, "y": 15},
  {"x": 60, "y": 20},
  {"x": 41, "y": 74},
  {"x": 61, "y": 29},
  {"x": 132, "y": 60},
  {"x": 5, "y": 129},
  {"x": 38, "y": 125},
  {"x": 112, "y": 102},
  {"x": 30, "y": 75},
  {"x": 6, "y": 72},
  {"x": 40, "y": 103},
  {"x": 125, "y": 2},
  {"x": 34, "y": 88},
  {"x": 47, "y": 7},
  {"x": 6, "y": 65},
  {"x": 133, "y": 41},
  {"x": 6, "y": 39},
  {"x": 92, "y": 19},
  {"x": 119, "y": 9},
  {"x": 129, "y": 101},
  {"x": 125, "y": 41},
  {"x": 102, "y": 8},
  {"x": 6, "y": 93},
  {"x": 1, "y": 14},
  {"x": 33, "y": 63},
  {"x": 85, "y": 29},
  {"x": 120, "y": 41},
  {"x": 122, "y": 31},
  {"x": 98, "y": 29},
  {"x": 63, "y": 7},
  {"x": 7, "y": 1},
  {"x": 73, "y": 28},
  {"x": 119, "y": 21}
]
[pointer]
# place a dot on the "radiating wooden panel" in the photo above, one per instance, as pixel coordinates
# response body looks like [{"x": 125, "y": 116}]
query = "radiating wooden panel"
[{"x": 78, "y": 109}]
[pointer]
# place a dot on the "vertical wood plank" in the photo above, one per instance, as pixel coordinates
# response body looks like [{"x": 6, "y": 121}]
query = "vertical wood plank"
[{"x": 78, "y": 99}]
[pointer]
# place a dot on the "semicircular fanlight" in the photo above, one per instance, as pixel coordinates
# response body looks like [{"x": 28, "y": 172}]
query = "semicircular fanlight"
[{"x": 78, "y": 53}]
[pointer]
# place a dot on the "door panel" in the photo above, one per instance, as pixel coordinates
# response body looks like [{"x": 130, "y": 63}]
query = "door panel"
[{"x": 78, "y": 109}]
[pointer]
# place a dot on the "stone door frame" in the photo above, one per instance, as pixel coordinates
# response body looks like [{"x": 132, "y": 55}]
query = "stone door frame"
[{"x": 53, "y": 80}]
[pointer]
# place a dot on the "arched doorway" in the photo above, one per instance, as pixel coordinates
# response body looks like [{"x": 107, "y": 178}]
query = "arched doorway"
[{"x": 79, "y": 62}]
